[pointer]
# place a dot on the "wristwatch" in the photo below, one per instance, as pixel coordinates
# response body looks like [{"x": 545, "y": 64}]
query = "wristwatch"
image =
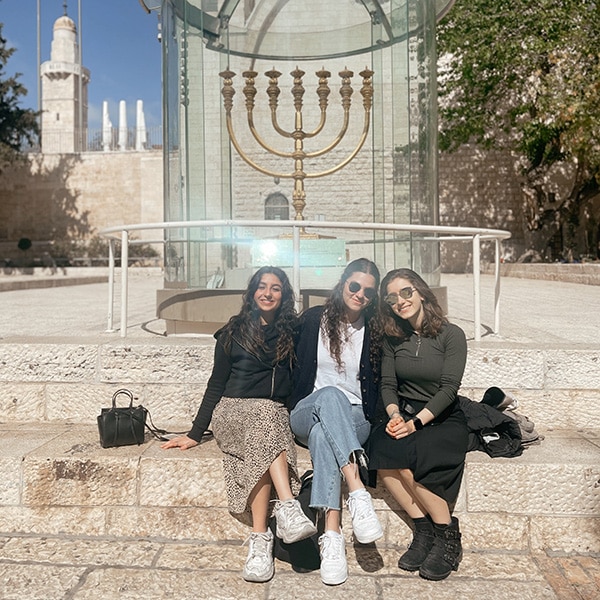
[{"x": 418, "y": 423}]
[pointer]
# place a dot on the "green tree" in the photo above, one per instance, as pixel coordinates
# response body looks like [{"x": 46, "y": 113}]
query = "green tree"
[
  {"x": 525, "y": 76},
  {"x": 17, "y": 125}
]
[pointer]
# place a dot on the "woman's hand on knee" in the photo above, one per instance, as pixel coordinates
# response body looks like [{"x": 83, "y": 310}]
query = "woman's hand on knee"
[{"x": 183, "y": 442}]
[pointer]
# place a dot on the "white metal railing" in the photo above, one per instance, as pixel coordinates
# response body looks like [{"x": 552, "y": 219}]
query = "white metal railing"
[{"x": 442, "y": 232}]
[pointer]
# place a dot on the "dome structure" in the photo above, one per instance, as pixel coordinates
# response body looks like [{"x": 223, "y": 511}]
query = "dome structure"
[
  {"x": 304, "y": 29},
  {"x": 65, "y": 22}
]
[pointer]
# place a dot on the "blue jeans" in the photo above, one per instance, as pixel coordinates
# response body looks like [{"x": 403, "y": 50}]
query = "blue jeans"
[{"x": 333, "y": 429}]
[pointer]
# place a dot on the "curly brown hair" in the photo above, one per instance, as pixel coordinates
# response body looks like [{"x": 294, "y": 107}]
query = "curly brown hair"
[
  {"x": 389, "y": 324},
  {"x": 246, "y": 326},
  {"x": 334, "y": 314}
]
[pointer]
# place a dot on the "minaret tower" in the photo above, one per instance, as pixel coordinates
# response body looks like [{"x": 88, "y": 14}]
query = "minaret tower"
[{"x": 64, "y": 96}]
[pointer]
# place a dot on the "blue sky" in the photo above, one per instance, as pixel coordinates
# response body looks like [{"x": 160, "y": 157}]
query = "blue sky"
[{"x": 120, "y": 48}]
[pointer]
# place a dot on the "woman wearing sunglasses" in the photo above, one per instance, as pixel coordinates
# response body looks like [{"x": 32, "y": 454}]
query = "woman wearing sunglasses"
[
  {"x": 334, "y": 396},
  {"x": 419, "y": 445}
]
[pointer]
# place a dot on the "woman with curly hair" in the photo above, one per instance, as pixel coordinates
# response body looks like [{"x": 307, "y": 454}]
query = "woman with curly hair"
[
  {"x": 245, "y": 401},
  {"x": 334, "y": 396},
  {"x": 419, "y": 442}
]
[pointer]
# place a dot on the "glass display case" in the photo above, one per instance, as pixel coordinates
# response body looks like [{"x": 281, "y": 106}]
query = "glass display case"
[{"x": 285, "y": 79}]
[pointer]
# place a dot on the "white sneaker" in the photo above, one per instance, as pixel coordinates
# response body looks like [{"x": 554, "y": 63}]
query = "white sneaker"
[
  {"x": 365, "y": 524},
  {"x": 292, "y": 524},
  {"x": 259, "y": 564},
  {"x": 334, "y": 568}
]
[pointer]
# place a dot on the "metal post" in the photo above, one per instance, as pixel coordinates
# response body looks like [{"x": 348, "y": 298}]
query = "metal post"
[
  {"x": 111, "y": 284},
  {"x": 477, "y": 285},
  {"x": 81, "y": 147},
  {"x": 124, "y": 274},
  {"x": 497, "y": 287},
  {"x": 39, "y": 63},
  {"x": 296, "y": 267}
]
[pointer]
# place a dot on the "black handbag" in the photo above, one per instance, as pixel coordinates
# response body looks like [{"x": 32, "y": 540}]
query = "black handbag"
[{"x": 122, "y": 426}]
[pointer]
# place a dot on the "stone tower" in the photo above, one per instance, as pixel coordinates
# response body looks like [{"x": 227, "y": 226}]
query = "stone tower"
[{"x": 64, "y": 96}]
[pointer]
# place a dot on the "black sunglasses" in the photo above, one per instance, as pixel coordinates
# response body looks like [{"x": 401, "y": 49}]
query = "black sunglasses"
[
  {"x": 368, "y": 293},
  {"x": 406, "y": 293}
]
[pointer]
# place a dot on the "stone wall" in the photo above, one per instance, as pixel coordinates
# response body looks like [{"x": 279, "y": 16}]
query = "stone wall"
[
  {"x": 480, "y": 189},
  {"x": 58, "y": 197},
  {"x": 57, "y": 382}
]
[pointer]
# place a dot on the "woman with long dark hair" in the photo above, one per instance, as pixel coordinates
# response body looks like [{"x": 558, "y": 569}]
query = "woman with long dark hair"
[
  {"x": 245, "y": 401},
  {"x": 419, "y": 445},
  {"x": 334, "y": 396}
]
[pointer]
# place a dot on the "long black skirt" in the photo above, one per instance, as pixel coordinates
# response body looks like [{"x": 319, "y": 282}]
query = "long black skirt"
[{"x": 435, "y": 454}]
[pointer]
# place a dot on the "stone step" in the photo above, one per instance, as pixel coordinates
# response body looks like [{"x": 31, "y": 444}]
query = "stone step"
[
  {"x": 55, "y": 479},
  {"x": 61, "y": 380}
]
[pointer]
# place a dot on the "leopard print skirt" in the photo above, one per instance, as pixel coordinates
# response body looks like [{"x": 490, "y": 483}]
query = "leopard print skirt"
[{"x": 252, "y": 433}]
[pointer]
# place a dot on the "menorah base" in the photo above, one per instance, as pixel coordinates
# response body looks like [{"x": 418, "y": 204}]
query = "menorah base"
[{"x": 305, "y": 235}]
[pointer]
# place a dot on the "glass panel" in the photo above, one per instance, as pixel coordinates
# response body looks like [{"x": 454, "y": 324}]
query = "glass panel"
[{"x": 392, "y": 178}]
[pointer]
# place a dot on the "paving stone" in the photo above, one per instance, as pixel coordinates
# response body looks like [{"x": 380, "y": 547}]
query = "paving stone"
[
  {"x": 80, "y": 552},
  {"x": 53, "y": 520},
  {"x": 455, "y": 587},
  {"x": 133, "y": 584},
  {"x": 206, "y": 524},
  {"x": 37, "y": 582}
]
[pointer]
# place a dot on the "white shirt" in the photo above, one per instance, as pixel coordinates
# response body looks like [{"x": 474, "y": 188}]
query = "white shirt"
[{"x": 347, "y": 378}]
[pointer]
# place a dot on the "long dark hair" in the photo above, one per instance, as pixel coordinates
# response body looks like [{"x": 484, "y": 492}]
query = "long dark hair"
[
  {"x": 246, "y": 326},
  {"x": 334, "y": 313},
  {"x": 391, "y": 325}
]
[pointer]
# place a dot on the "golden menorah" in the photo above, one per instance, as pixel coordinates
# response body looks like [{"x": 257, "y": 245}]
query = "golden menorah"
[{"x": 298, "y": 135}]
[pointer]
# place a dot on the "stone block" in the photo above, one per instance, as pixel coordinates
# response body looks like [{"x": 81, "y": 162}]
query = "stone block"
[
  {"x": 73, "y": 470},
  {"x": 47, "y": 362},
  {"x": 458, "y": 587},
  {"x": 130, "y": 553},
  {"x": 53, "y": 520},
  {"x": 22, "y": 402},
  {"x": 173, "y": 406},
  {"x": 171, "y": 479},
  {"x": 573, "y": 369},
  {"x": 10, "y": 481},
  {"x": 152, "y": 363},
  {"x": 50, "y": 582},
  {"x": 565, "y": 534},
  {"x": 504, "y": 367},
  {"x": 494, "y": 531},
  {"x": 133, "y": 584},
  {"x": 177, "y": 523},
  {"x": 554, "y": 409},
  {"x": 220, "y": 557},
  {"x": 558, "y": 477}
]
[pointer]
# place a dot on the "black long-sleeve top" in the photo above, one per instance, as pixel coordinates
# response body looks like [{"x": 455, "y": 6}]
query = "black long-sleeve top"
[
  {"x": 425, "y": 369},
  {"x": 243, "y": 374}
]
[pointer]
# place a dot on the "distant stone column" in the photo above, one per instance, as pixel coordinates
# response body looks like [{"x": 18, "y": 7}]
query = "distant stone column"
[
  {"x": 106, "y": 128},
  {"x": 140, "y": 127},
  {"x": 122, "y": 125}
]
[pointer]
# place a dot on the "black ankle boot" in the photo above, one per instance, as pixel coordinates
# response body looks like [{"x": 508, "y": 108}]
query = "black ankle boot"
[
  {"x": 445, "y": 554},
  {"x": 420, "y": 546}
]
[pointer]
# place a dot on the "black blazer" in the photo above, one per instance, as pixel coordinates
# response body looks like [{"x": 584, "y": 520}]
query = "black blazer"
[{"x": 304, "y": 372}]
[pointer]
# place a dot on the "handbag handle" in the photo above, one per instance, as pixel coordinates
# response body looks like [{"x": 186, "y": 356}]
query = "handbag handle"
[{"x": 122, "y": 391}]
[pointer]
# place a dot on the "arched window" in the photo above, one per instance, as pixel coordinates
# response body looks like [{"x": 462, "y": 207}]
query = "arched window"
[{"x": 277, "y": 207}]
